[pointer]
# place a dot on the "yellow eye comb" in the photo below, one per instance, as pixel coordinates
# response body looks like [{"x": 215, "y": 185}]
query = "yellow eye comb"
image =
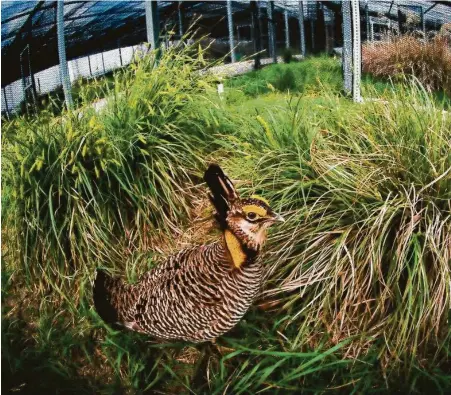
[{"x": 260, "y": 198}]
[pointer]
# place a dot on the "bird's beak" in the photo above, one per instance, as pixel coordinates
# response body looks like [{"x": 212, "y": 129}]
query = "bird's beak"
[{"x": 278, "y": 218}]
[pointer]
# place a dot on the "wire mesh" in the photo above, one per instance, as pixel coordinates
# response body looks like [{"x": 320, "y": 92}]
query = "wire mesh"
[{"x": 101, "y": 36}]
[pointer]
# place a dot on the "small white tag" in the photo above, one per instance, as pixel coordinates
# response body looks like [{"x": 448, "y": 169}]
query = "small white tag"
[{"x": 220, "y": 88}]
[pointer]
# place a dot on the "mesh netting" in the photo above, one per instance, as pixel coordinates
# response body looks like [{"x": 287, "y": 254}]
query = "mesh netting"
[{"x": 102, "y": 36}]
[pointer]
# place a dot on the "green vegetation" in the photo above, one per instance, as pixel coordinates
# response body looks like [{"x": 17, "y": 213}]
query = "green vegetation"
[
  {"x": 358, "y": 295},
  {"x": 287, "y": 55},
  {"x": 317, "y": 75},
  {"x": 83, "y": 91}
]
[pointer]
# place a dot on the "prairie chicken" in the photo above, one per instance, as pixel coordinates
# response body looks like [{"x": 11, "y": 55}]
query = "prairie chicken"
[{"x": 203, "y": 291}]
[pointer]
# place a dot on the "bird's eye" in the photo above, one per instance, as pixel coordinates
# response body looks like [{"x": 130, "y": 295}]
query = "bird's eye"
[{"x": 252, "y": 216}]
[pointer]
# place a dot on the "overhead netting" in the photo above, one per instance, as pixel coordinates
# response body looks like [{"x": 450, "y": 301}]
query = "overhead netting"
[{"x": 102, "y": 36}]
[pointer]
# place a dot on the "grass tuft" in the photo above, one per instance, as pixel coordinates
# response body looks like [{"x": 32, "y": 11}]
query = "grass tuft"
[{"x": 429, "y": 61}]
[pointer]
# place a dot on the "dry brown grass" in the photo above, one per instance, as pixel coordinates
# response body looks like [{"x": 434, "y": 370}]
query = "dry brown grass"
[{"x": 428, "y": 61}]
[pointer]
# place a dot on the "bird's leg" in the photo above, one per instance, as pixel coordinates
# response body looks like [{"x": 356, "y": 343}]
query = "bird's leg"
[{"x": 219, "y": 350}]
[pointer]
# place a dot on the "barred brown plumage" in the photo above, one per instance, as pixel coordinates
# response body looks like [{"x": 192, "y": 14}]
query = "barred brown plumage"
[{"x": 203, "y": 291}]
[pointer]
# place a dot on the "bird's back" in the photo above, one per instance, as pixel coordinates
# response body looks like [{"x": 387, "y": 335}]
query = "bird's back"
[{"x": 196, "y": 295}]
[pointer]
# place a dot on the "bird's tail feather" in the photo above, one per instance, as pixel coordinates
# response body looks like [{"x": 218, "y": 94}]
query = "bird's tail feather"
[{"x": 104, "y": 287}]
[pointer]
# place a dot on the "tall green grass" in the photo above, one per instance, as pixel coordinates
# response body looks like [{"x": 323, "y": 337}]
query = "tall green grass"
[
  {"x": 81, "y": 181},
  {"x": 367, "y": 189},
  {"x": 367, "y": 249},
  {"x": 302, "y": 77},
  {"x": 358, "y": 292}
]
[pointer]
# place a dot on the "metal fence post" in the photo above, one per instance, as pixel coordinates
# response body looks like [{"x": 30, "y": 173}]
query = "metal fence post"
[
  {"x": 89, "y": 64},
  {"x": 356, "y": 51},
  {"x": 287, "y": 29},
  {"x": 272, "y": 32},
  {"x": 327, "y": 38},
  {"x": 38, "y": 84},
  {"x": 302, "y": 27},
  {"x": 312, "y": 24},
  {"x": 6, "y": 103},
  {"x": 252, "y": 26},
  {"x": 180, "y": 15},
  {"x": 347, "y": 47},
  {"x": 64, "y": 69},
  {"x": 230, "y": 27},
  {"x": 367, "y": 20},
  {"x": 152, "y": 24},
  {"x": 103, "y": 63},
  {"x": 423, "y": 23},
  {"x": 255, "y": 10}
]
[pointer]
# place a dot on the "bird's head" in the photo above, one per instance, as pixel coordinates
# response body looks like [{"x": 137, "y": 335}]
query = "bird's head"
[
  {"x": 244, "y": 221},
  {"x": 248, "y": 219}
]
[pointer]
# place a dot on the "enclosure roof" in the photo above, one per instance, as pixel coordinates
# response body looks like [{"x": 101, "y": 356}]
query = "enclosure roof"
[
  {"x": 95, "y": 26},
  {"x": 84, "y": 19}
]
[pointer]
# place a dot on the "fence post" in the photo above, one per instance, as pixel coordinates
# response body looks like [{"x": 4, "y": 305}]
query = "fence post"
[
  {"x": 356, "y": 51},
  {"x": 180, "y": 15},
  {"x": 230, "y": 27},
  {"x": 287, "y": 29},
  {"x": 64, "y": 69},
  {"x": 120, "y": 53},
  {"x": 367, "y": 20},
  {"x": 271, "y": 28},
  {"x": 152, "y": 24},
  {"x": 312, "y": 24},
  {"x": 255, "y": 10},
  {"x": 89, "y": 64},
  {"x": 347, "y": 47},
  {"x": 103, "y": 62},
  {"x": 302, "y": 28},
  {"x": 423, "y": 23},
  {"x": 322, "y": 15},
  {"x": 252, "y": 26},
  {"x": 6, "y": 102}
]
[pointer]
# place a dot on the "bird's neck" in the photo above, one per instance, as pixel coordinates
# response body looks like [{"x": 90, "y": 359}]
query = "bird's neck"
[{"x": 239, "y": 253}]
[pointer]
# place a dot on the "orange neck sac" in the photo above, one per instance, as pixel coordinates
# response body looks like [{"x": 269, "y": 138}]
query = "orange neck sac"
[{"x": 239, "y": 253}]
